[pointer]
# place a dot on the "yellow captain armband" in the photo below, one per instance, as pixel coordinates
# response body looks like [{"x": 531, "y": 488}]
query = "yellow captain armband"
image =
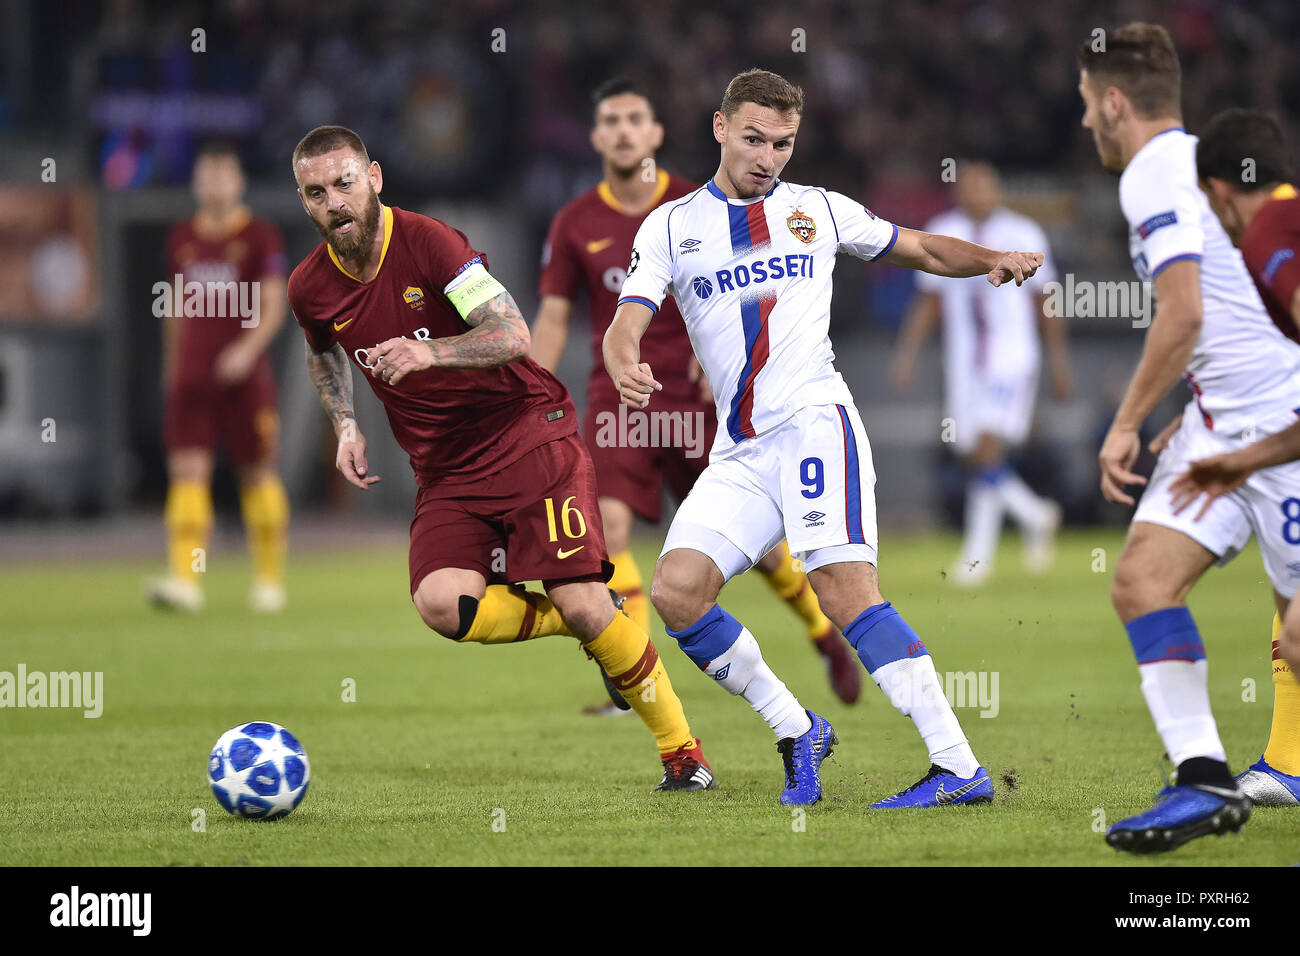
[{"x": 471, "y": 289}]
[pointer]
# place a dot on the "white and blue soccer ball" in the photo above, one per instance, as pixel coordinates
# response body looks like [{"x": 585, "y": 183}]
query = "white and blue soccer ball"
[{"x": 259, "y": 770}]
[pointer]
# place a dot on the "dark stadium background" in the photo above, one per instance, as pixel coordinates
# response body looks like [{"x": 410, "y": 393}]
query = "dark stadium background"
[{"x": 495, "y": 142}]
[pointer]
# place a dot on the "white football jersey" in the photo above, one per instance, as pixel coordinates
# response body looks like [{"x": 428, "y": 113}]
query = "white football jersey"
[
  {"x": 990, "y": 332},
  {"x": 1244, "y": 372},
  {"x": 752, "y": 279}
]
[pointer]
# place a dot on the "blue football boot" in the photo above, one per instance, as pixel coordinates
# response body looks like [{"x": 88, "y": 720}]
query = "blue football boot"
[
  {"x": 1269, "y": 787},
  {"x": 941, "y": 788},
  {"x": 803, "y": 756},
  {"x": 1181, "y": 813}
]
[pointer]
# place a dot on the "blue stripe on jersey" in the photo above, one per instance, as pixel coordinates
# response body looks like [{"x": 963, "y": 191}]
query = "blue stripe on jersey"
[
  {"x": 639, "y": 301},
  {"x": 852, "y": 481},
  {"x": 739, "y": 219},
  {"x": 892, "y": 239},
  {"x": 751, "y": 320},
  {"x": 1172, "y": 259}
]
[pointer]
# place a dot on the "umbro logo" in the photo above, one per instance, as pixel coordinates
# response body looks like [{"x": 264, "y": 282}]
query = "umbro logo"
[
  {"x": 944, "y": 797},
  {"x": 689, "y": 245},
  {"x": 722, "y": 672},
  {"x": 814, "y": 516},
  {"x": 1294, "y": 568}
]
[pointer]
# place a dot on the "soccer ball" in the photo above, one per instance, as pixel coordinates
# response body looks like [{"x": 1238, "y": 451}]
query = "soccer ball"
[{"x": 259, "y": 770}]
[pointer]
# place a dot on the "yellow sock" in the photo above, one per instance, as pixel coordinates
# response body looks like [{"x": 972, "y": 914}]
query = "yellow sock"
[
  {"x": 266, "y": 518},
  {"x": 187, "y": 516},
  {"x": 1283, "y": 751},
  {"x": 627, "y": 582},
  {"x": 630, "y": 659},
  {"x": 793, "y": 588},
  {"x": 507, "y": 613}
]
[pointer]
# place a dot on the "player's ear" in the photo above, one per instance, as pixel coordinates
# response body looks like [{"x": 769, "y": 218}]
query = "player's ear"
[
  {"x": 719, "y": 127},
  {"x": 303, "y": 199},
  {"x": 376, "y": 176},
  {"x": 657, "y": 136}
]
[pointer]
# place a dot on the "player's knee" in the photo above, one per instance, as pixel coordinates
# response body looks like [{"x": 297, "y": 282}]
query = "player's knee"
[
  {"x": 1133, "y": 593},
  {"x": 587, "y": 610},
  {"x": 678, "y": 595},
  {"x": 440, "y": 611}
]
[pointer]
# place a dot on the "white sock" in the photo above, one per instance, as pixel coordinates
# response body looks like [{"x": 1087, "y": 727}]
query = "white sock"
[
  {"x": 983, "y": 523},
  {"x": 914, "y": 689},
  {"x": 1180, "y": 706},
  {"x": 741, "y": 670},
  {"x": 1025, "y": 507}
]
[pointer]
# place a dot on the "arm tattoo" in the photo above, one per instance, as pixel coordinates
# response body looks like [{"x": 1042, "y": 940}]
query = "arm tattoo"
[
  {"x": 498, "y": 336},
  {"x": 332, "y": 376}
]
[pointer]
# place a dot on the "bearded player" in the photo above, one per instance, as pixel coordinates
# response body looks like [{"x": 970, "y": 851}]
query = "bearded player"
[
  {"x": 490, "y": 434},
  {"x": 218, "y": 384},
  {"x": 588, "y": 247},
  {"x": 1261, "y": 214},
  {"x": 1210, "y": 328},
  {"x": 791, "y": 459}
]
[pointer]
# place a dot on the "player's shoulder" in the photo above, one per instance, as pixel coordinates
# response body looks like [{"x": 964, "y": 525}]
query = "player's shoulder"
[
  {"x": 1017, "y": 223},
  {"x": 946, "y": 222},
  {"x": 1164, "y": 165},
  {"x": 182, "y": 230},
  {"x": 303, "y": 278},
  {"x": 664, "y": 217},
  {"x": 580, "y": 206},
  {"x": 1276, "y": 222},
  {"x": 261, "y": 226}
]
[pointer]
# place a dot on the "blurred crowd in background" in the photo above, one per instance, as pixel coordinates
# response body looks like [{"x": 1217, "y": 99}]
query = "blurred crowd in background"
[
  {"x": 483, "y": 108},
  {"x": 490, "y": 98}
]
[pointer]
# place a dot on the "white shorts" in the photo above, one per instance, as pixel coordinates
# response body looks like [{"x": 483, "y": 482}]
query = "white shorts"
[
  {"x": 809, "y": 481},
  {"x": 1000, "y": 405},
  {"x": 1267, "y": 505}
]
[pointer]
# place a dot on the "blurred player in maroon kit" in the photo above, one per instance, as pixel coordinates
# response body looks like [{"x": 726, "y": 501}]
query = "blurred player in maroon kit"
[
  {"x": 1243, "y": 170},
  {"x": 589, "y": 245},
  {"x": 218, "y": 383},
  {"x": 506, "y": 489}
]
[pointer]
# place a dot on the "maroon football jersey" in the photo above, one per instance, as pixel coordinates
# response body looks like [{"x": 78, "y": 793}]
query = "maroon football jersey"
[
  {"x": 457, "y": 424},
  {"x": 590, "y": 245},
  {"x": 250, "y": 252},
  {"x": 1271, "y": 247}
]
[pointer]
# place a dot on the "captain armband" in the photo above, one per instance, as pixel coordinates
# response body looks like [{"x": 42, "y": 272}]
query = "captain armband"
[{"x": 471, "y": 289}]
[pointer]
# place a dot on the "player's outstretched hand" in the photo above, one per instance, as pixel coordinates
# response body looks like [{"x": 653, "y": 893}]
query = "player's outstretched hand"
[
  {"x": 393, "y": 360},
  {"x": 351, "y": 456},
  {"x": 1213, "y": 477},
  {"x": 636, "y": 384},
  {"x": 1015, "y": 265},
  {"x": 1118, "y": 452}
]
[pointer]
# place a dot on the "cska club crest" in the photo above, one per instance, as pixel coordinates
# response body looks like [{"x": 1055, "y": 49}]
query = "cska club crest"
[
  {"x": 802, "y": 226},
  {"x": 414, "y": 296}
]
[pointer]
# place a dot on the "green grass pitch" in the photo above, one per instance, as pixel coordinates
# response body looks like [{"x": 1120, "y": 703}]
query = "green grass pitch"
[{"x": 443, "y": 742}]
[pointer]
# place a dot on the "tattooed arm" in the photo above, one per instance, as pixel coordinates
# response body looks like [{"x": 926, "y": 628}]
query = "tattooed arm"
[
  {"x": 498, "y": 336},
  {"x": 332, "y": 376}
]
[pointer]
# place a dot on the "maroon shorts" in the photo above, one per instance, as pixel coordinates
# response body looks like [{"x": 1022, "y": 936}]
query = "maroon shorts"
[
  {"x": 535, "y": 519},
  {"x": 198, "y": 414},
  {"x": 634, "y": 458}
]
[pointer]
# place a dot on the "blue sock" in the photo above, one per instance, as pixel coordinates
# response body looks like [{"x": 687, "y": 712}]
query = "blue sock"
[
  {"x": 1169, "y": 634},
  {"x": 708, "y": 638},
  {"x": 880, "y": 635}
]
